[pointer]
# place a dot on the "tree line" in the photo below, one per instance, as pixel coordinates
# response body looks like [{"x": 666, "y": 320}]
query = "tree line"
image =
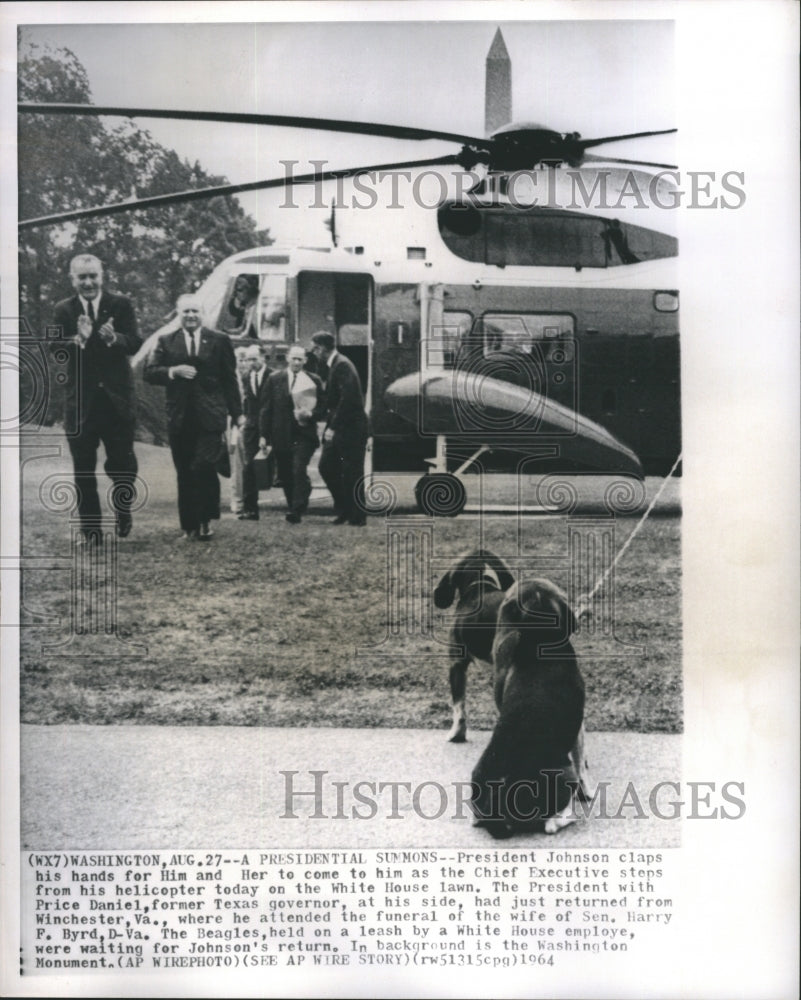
[{"x": 151, "y": 255}]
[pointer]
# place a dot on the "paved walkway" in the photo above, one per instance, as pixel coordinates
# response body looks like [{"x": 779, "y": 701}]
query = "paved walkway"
[
  {"x": 495, "y": 493},
  {"x": 201, "y": 787}
]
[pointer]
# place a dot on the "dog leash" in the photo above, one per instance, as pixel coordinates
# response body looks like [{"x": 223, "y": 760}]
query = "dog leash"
[{"x": 584, "y": 603}]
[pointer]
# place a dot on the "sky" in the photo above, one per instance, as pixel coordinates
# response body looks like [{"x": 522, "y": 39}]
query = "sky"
[{"x": 594, "y": 77}]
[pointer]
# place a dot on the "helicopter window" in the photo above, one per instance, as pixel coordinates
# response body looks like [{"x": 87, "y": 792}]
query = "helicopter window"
[
  {"x": 666, "y": 301},
  {"x": 272, "y": 308},
  {"x": 508, "y": 235},
  {"x": 214, "y": 292},
  {"x": 547, "y": 240},
  {"x": 237, "y": 314},
  {"x": 524, "y": 332}
]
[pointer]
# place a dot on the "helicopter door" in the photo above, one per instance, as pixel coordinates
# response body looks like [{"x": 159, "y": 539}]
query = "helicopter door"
[
  {"x": 340, "y": 304},
  {"x": 353, "y": 317}
]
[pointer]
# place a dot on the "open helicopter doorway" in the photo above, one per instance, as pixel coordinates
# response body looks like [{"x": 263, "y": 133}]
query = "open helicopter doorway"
[{"x": 341, "y": 304}]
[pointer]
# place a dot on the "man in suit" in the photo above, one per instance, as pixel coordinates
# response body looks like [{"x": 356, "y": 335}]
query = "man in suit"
[
  {"x": 345, "y": 436},
  {"x": 288, "y": 421},
  {"x": 238, "y": 449},
  {"x": 99, "y": 332},
  {"x": 254, "y": 399},
  {"x": 198, "y": 368}
]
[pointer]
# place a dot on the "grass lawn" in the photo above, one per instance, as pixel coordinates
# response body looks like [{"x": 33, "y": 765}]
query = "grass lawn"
[{"x": 275, "y": 625}]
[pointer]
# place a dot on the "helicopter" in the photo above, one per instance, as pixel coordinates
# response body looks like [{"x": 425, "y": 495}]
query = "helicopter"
[{"x": 506, "y": 336}]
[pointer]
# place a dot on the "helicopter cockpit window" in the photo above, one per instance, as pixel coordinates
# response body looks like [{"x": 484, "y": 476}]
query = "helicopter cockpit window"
[
  {"x": 238, "y": 310},
  {"x": 254, "y": 305}
]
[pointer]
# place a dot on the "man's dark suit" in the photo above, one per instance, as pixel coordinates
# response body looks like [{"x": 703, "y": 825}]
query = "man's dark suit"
[
  {"x": 100, "y": 403},
  {"x": 197, "y": 412},
  {"x": 253, "y": 404},
  {"x": 342, "y": 460},
  {"x": 293, "y": 443}
]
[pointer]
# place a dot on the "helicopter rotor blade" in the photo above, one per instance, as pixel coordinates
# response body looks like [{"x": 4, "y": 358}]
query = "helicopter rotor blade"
[
  {"x": 288, "y": 121},
  {"x": 589, "y": 143},
  {"x": 198, "y": 194},
  {"x": 590, "y": 158}
]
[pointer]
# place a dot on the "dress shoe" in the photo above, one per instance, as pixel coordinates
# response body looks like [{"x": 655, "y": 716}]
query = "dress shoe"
[
  {"x": 357, "y": 522},
  {"x": 248, "y": 515},
  {"x": 293, "y": 518},
  {"x": 190, "y": 536},
  {"x": 124, "y": 525},
  {"x": 206, "y": 534},
  {"x": 341, "y": 519}
]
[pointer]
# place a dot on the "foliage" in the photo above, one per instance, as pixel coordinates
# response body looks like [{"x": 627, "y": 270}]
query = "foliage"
[{"x": 151, "y": 255}]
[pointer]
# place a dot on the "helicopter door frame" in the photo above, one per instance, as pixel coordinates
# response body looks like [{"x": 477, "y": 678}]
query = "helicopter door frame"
[
  {"x": 331, "y": 283},
  {"x": 368, "y": 392},
  {"x": 341, "y": 333}
]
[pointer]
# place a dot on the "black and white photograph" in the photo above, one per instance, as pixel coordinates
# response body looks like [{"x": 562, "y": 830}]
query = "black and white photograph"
[{"x": 381, "y": 547}]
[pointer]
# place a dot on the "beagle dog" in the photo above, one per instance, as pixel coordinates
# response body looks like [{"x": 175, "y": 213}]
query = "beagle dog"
[
  {"x": 481, "y": 580},
  {"x": 531, "y": 769}
]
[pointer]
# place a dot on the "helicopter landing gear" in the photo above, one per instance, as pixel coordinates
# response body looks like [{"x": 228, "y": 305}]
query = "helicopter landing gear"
[{"x": 440, "y": 494}]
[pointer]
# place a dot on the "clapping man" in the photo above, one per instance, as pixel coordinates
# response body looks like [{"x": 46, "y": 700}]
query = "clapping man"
[
  {"x": 345, "y": 436},
  {"x": 198, "y": 368},
  {"x": 100, "y": 333},
  {"x": 288, "y": 421}
]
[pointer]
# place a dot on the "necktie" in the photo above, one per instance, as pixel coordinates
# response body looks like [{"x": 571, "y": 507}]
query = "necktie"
[
  {"x": 192, "y": 352},
  {"x": 294, "y": 380},
  {"x": 254, "y": 381},
  {"x": 90, "y": 310}
]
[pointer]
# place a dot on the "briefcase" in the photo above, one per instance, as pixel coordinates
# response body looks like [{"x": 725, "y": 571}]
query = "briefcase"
[{"x": 264, "y": 469}]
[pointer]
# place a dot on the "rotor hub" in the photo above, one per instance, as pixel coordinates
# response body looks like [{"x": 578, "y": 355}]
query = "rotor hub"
[{"x": 524, "y": 145}]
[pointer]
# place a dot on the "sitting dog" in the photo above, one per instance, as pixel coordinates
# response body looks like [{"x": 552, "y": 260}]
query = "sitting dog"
[
  {"x": 528, "y": 774},
  {"x": 481, "y": 579}
]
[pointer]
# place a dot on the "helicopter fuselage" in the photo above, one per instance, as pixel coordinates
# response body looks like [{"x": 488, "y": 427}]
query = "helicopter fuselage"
[{"x": 602, "y": 342}]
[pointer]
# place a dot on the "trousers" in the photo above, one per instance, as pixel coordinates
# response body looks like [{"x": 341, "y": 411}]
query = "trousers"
[
  {"x": 292, "y": 468},
  {"x": 342, "y": 469},
  {"x": 194, "y": 454},
  {"x": 103, "y": 423}
]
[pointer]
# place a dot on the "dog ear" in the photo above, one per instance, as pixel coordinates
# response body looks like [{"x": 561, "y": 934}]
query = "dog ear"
[
  {"x": 504, "y": 646},
  {"x": 510, "y": 612},
  {"x": 567, "y": 617},
  {"x": 445, "y": 591},
  {"x": 455, "y": 580},
  {"x": 500, "y": 568},
  {"x": 541, "y": 597}
]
